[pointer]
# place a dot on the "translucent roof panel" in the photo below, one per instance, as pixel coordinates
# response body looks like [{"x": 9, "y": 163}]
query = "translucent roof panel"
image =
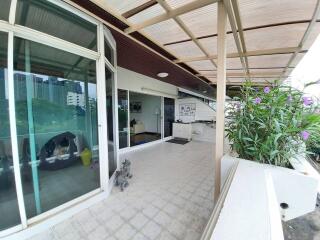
[
  {"x": 147, "y": 14},
  {"x": 260, "y": 12},
  {"x": 234, "y": 63},
  {"x": 178, "y": 3},
  {"x": 166, "y": 32},
  {"x": 185, "y": 49},
  {"x": 275, "y": 37},
  {"x": 210, "y": 44},
  {"x": 269, "y": 61},
  {"x": 124, "y": 6},
  {"x": 203, "y": 21},
  {"x": 202, "y": 65},
  {"x": 261, "y": 80},
  {"x": 208, "y": 72}
]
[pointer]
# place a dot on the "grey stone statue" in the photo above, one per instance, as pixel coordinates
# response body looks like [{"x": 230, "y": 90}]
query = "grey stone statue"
[{"x": 121, "y": 178}]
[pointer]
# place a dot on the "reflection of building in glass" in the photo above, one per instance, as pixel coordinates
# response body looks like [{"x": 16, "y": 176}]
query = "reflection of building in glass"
[
  {"x": 75, "y": 99},
  {"x": 2, "y": 85},
  {"x": 61, "y": 92}
]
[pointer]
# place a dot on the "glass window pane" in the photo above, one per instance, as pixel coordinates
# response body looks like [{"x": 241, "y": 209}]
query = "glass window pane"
[
  {"x": 8, "y": 196},
  {"x": 108, "y": 51},
  {"x": 110, "y": 123},
  {"x": 4, "y": 9},
  {"x": 123, "y": 118},
  {"x": 145, "y": 118},
  {"x": 46, "y": 17},
  {"x": 56, "y": 111}
]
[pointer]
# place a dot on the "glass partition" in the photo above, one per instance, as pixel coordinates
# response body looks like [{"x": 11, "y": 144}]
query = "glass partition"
[
  {"x": 110, "y": 123},
  {"x": 56, "y": 114},
  {"x": 145, "y": 118},
  {"x": 46, "y": 17},
  {"x": 123, "y": 118},
  {"x": 9, "y": 210},
  {"x": 4, "y": 9},
  {"x": 168, "y": 116}
]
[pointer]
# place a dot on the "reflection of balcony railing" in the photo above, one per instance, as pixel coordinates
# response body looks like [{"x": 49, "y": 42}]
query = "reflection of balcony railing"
[{"x": 62, "y": 157}]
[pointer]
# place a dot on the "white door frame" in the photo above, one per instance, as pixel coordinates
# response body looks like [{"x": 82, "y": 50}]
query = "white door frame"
[{"x": 23, "y": 32}]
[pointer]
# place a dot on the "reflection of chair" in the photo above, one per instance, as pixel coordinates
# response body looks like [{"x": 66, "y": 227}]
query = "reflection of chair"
[
  {"x": 59, "y": 152},
  {"x": 137, "y": 128}
]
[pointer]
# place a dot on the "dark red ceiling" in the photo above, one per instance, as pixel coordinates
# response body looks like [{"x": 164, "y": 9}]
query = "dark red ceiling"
[{"x": 137, "y": 58}]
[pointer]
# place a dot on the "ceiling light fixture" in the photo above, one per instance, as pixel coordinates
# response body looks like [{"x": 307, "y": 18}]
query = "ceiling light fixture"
[{"x": 163, "y": 74}]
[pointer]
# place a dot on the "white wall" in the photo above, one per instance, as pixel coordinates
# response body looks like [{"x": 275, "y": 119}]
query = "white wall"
[
  {"x": 148, "y": 109},
  {"x": 203, "y": 111},
  {"x": 135, "y": 82}
]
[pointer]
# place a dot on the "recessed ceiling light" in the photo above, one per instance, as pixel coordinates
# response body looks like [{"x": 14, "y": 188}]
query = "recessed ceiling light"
[{"x": 163, "y": 74}]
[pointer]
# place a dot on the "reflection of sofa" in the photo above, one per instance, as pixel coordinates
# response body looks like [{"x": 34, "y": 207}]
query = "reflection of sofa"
[{"x": 138, "y": 127}]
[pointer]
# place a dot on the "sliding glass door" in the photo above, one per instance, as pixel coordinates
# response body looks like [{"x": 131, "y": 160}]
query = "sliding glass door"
[
  {"x": 123, "y": 118},
  {"x": 58, "y": 89},
  {"x": 168, "y": 119},
  {"x": 56, "y": 108}
]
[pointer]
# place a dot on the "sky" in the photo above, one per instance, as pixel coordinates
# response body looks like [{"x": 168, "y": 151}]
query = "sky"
[{"x": 308, "y": 70}]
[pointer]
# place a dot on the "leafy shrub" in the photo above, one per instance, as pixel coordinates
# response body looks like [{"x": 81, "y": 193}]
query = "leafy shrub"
[{"x": 272, "y": 124}]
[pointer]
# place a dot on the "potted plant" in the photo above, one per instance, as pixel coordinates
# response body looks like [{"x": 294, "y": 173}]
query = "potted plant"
[{"x": 272, "y": 124}]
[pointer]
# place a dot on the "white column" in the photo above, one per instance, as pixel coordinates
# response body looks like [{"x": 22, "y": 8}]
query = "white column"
[{"x": 221, "y": 92}]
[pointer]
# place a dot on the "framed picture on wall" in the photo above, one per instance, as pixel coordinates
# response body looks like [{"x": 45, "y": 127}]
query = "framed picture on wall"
[
  {"x": 187, "y": 109},
  {"x": 136, "y": 107}
]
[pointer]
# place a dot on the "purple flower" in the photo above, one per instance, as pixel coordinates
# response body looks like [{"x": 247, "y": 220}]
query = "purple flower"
[
  {"x": 257, "y": 100},
  {"x": 266, "y": 90},
  {"x": 307, "y": 101},
  {"x": 305, "y": 135},
  {"x": 289, "y": 99}
]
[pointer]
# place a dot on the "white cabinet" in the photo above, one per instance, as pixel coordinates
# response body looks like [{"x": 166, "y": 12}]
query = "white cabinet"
[{"x": 182, "y": 130}]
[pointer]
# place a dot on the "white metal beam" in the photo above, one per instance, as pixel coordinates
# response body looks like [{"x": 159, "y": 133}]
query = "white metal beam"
[
  {"x": 248, "y": 54},
  {"x": 234, "y": 28},
  {"x": 221, "y": 95},
  {"x": 166, "y": 16}
]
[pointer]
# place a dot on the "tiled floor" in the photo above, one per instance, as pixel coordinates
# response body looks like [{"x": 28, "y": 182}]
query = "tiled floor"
[{"x": 169, "y": 198}]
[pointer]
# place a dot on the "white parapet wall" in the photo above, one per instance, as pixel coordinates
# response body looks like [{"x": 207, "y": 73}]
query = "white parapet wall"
[{"x": 251, "y": 209}]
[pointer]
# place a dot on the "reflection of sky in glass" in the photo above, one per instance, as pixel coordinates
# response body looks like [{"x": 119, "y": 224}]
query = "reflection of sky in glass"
[
  {"x": 92, "y": 89},
  {"x": 308, "y": 71}
]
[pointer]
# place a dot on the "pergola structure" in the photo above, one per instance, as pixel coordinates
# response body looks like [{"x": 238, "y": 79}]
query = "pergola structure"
[
  {"x": 265, "y": 39},
  {"x": 224, "y": 42}
]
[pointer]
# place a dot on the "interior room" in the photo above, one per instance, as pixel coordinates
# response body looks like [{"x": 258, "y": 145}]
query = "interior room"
[{"x": 145, "y": 118}]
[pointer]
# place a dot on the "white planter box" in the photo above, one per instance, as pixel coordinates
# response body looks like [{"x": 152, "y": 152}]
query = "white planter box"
[{"x": 251, "y": 209}]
